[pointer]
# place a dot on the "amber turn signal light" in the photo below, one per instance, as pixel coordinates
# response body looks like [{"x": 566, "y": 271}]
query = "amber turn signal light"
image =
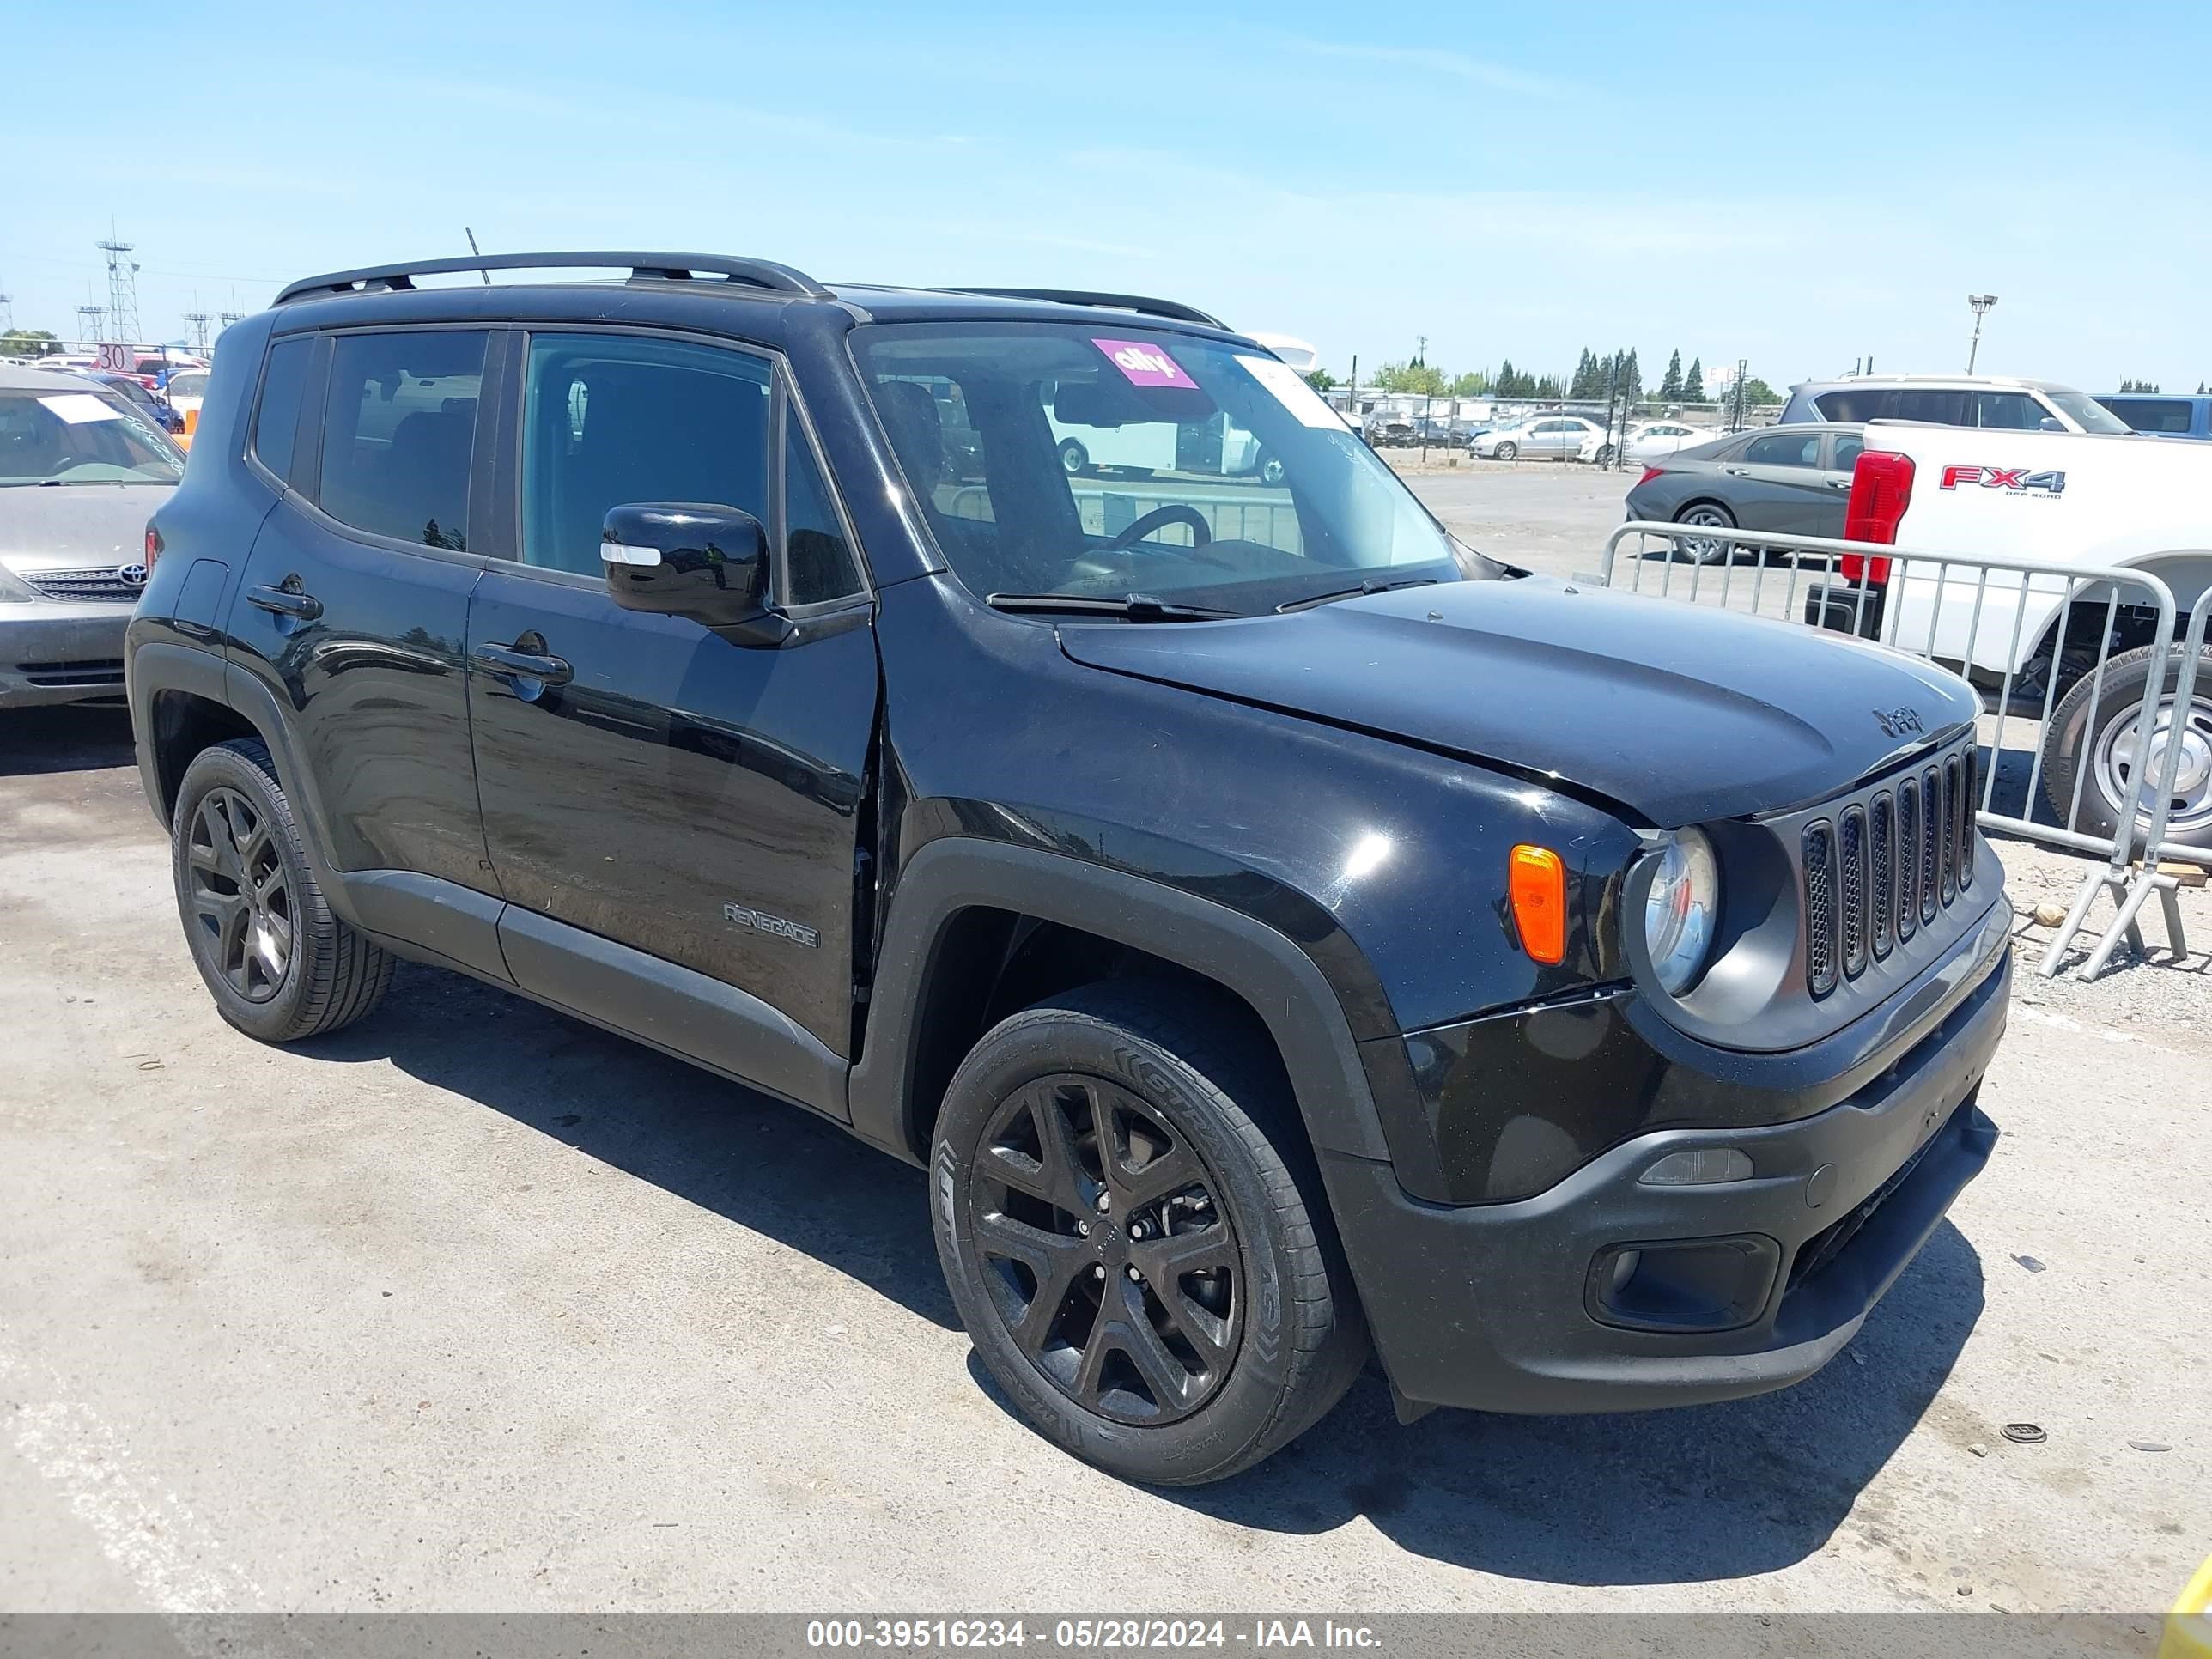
[{"x": 1538, "y": 887}]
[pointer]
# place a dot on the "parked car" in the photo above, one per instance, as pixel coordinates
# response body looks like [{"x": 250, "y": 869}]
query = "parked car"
[
  {"x": 2096, "y": 500},
  {"x": 1652, "y": 439},
  {"x": 956, "y": 813},
  {"x": 185, "y": 389},
  {"x": 1984, "y": 400},
  {"x": 152, "y": 405},
  {"x": 2161, "y": 416},
  {"x": 1544, "y": 437},
  {"x": 1784, "y": 479},
  {"x": 72, "y": 560}
]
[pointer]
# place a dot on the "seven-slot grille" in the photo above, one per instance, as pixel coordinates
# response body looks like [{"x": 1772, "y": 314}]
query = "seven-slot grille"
[
  {"x": 1883, "y": 866},
  {"x": 100, "y": 582}
]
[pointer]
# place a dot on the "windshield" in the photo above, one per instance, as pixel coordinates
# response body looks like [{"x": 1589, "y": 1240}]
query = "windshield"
[
  {"x": 188, "y": 383},
  {"x": 2085, "y": 411},
  {"x": 1105, "y": 460},
  {"x": 80, "y": 437}
]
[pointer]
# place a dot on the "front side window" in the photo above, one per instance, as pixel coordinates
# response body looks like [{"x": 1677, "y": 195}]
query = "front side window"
[
  {"x": 1939, "y": 407},
  {"x": 817, "y": 560},
  {"x": 1105, "y": 460},
  {"x": 614, "y": 419},
  {"x": 67, "y": 437},
  {"x": 2012, "y": 412},
  {"x": 399, "y": 424},
  {"x": 2084, "y": 410}
]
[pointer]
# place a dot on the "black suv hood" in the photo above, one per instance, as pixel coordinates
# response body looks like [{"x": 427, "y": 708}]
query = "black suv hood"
[{"x": 1681, "y": 712}]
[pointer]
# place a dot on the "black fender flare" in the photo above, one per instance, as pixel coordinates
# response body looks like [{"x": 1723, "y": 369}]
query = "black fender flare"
[
  {"x": 1264, "y": 967},
  {"x": 159, "y": 667}
]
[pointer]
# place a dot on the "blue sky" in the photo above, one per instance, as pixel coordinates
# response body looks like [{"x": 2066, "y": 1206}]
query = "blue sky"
[{"x": 1798, "y": 186}]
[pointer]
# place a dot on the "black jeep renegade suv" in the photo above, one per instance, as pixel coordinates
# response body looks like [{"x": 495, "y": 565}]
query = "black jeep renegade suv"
[{"x": 1278, "y": 929}]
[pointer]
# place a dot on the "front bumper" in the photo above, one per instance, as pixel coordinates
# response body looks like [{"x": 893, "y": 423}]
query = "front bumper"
[
  {"x": 1532, "y": 1306},
  {"x": 51, "y": 653}
]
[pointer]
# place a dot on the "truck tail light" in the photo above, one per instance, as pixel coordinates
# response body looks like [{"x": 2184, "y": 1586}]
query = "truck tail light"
[
  {"x": 1882, "y": 488},
  {"x": 1538, "y": 888}
]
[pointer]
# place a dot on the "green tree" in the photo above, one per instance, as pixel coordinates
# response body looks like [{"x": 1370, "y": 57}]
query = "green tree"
[
  {"x": 1419, "y": 378},
  {"x": 1757, "y": 391},
  {"x": 1585, "y": 376},
  {"x": 1506, "y": 385},
  {"x": 1693, "y": 383},
  {"x": 1670, "y": 383},
  {"x": 24, "y": 342},
  {"x": 1632, "y": 378},
  {"x": 1321, "y": 379},
  {"x": 1473, "y": 383},
  {"x": 1547, "y": 387}
]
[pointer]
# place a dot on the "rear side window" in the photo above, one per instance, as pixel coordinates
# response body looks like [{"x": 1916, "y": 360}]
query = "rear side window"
[
  {"x": 399, "y": 426},
  {"x": 1862, "y": 404},
  {"x": 1929, "y": 404},
  {"x": 1784, "y": 449},
  {"x": 276, "y": 414}
]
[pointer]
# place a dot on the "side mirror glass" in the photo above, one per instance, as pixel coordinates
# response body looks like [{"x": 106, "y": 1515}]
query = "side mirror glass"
[
  {"x": 695, "y": 559},
  {"x": 2051, "y": 423}
]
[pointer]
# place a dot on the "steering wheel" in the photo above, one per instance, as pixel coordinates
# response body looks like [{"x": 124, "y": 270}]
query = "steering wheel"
[{"x": 1174, "y": 512}]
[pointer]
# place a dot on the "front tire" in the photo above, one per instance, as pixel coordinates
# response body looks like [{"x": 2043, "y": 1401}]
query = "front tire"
[
  {"x": 1074, "y": 458},
  {"x": 1270, "y": 468},
  {"x": 1507, "y": 451},
  {"x": 1174, "y": 1308},
  {"x": 279, "y": 965},
  {"x": 2114, "y": 749}
]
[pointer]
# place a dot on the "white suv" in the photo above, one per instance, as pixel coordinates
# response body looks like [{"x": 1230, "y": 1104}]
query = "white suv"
[{"x": 1979, "y": 400}]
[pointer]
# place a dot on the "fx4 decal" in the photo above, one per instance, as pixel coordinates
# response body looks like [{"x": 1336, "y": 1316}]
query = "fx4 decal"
[{"x": 2017, "y": 479}]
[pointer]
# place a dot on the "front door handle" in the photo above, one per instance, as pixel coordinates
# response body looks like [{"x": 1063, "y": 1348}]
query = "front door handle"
[
  {"x": 286, "y": 602},
  {"x": 522, "y": 665}
]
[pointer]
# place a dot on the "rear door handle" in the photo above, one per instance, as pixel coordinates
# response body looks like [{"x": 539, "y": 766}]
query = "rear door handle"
[
  {"x": 302, "y": 607},
  {"x": 522, "y": 665}
]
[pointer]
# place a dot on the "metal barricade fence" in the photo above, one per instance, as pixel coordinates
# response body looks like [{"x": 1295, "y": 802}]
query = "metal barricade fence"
[
  {"x": 2181, "y": 770},
  {"x": 2041, "y": 596}
]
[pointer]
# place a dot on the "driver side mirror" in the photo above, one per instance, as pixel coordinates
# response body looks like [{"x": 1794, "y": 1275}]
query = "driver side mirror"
[
  {"x": 2051, "y": 423},
  {"x": 699, "y": 560}
]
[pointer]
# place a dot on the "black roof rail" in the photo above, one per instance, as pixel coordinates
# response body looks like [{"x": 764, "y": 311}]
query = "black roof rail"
[
  {"x": 1173, "y": 309},
  {"x": 754, "y": 273}
]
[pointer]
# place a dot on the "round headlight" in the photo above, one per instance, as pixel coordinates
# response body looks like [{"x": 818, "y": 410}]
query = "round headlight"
[{"x": 1681, "y": 909}]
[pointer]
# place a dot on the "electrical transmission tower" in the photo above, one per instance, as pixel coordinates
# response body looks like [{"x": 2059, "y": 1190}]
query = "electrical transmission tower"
[
  {"x": 122, "y": 286},
  {"x": 198, "y": 320},
  {"x": 92, "y": 314}
]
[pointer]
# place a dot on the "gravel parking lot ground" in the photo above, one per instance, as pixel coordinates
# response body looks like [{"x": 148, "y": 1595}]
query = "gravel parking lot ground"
[{"x": 474, "y": 1307}]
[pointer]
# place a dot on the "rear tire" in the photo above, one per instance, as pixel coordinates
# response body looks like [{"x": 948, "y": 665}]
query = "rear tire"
[
  {"x": 1703, "y": 550},
  {"x": 2114, "y": 748},
  {"x": 279, "y": 965},
  {"x": 1074, "y": 458},
  {"x": 1173, "y": 1320}
]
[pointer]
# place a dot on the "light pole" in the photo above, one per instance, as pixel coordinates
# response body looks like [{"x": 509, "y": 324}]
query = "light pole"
[{"x": 1981, "y": 303}]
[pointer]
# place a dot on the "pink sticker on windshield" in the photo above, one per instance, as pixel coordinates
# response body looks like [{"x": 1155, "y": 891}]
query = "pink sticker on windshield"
[{"x": 1146, "y": 365}]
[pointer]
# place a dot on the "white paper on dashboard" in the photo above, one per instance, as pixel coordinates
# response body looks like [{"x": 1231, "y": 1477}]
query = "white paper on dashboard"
[{"x": 78, "y": 408}]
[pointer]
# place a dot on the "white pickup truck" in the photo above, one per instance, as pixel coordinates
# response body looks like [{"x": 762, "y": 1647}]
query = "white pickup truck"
[{"x": 2084, "y": 501}]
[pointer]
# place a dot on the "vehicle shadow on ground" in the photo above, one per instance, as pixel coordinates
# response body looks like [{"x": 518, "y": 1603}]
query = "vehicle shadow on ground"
[
  {"x": 768, "y": 1166},
  {"x": 69, "y": 738},
  {"x": 1713, "y": 1491},
  {"x": 1673, "y": 1497}
]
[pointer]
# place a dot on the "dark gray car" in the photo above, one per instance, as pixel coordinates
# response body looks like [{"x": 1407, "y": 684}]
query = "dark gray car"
[{"x": 1791, "y": 480}]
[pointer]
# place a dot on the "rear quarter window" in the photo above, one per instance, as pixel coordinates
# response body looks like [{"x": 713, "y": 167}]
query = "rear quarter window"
[
  {"x": 2151, "y": 414},
  {"x": 277, "y": 406}
]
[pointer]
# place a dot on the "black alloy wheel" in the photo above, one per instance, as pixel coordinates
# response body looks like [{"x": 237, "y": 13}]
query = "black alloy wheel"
[
  {"x": 1108, "y": 1255},
  {"x": 240, "y": 897}
]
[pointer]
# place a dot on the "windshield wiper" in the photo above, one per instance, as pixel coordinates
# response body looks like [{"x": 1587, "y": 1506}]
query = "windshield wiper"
[
  {"x": 1365, "y": 588},
  {"x": 1131, "y": 607}
]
